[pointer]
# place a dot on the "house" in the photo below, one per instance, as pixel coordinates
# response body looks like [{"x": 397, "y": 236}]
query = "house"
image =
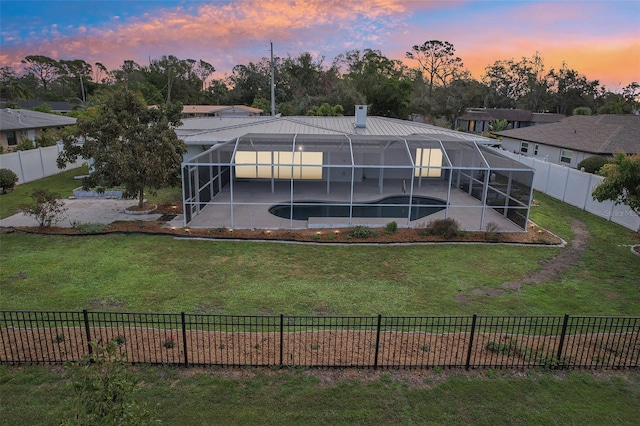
[
  {"x": 19, "y": 124},
  {"x": 575, "y": 138},
  {"x": 332, "y": 172},
  {"x": 190, "y": 111},
  {"x": 59, "y": 107},
  {"x": 479, "y": 119}
]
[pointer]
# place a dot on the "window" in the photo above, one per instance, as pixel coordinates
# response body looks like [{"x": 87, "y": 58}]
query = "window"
[
  {"x": 428, "y": 162},
  {"x": 11, "y": 138},
  {"x": 535, "y": 149},
  {"x": 524, "y": 147},
  {"x": 565, "y": 156},
  {"x": 278, "y": 164}
]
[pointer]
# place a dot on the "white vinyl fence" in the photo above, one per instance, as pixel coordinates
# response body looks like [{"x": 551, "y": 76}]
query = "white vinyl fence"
[
  {"x": 35, "y": 163},
  {"x": 575, "y": 187}
]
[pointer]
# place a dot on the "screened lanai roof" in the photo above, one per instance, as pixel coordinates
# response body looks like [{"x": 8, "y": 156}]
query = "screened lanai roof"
[{"x": 457, "y": 152}]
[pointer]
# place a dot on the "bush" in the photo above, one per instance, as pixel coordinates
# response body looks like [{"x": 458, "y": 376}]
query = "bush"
[
  {"x": 90, "y": 227},
  {"x": 47, "y": 209},
  {"x": 446, "y": 228},
  {"x": 492, "y": 232},
  {"x": 592, "y": 164},
  {"x": 392, "y": 227},
  {"x": 25, "y": 145},
  {"x": 362, "y": 232},
  {"x": 8, "y": 180}
]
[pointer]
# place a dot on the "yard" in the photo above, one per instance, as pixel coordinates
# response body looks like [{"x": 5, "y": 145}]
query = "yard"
[{"x": 162, "y": 274}]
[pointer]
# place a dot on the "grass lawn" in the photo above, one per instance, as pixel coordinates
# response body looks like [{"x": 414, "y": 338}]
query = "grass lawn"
[
  {"x": 162, "y": 274},
  {"x": 36, "y": 395}
]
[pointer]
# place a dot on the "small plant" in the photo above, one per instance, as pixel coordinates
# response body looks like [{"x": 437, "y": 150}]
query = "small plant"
[
  {"x": 361, "y": 231},
  {"x": 25, "y": 145},
  {"x": 316, "y": 237},
  {"x": 331, "y": 236},
  {"x": 169, "y": 342},
  {"x": 256, "y": 346},
  {"x": 392, "y": 227},
  {"x": 8, "y": 180},
  {"x": 492, "y": 232},
  {"x": 425, "y": 348},
  {"x": 120, "y": 340},
  {"x": 47, "y": 209},
  {"x": 59, "y": 339},
  {"x": 89, "y": 227},
  {"x": 446, "y": 228},
  {"x": 314, "y": 346},
  {"x": 222, "y": 346}
]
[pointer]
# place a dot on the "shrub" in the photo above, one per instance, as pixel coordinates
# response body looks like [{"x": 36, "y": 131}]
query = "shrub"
[
  {"x": 8, "y": 180},
  {"x": 362, "y": 232},
  {"x": 492, "y": 232},
  {"x": 89, "y": 227},
  {"x": 592, "y": 164},
  {"x": 25, "y": 145},
  {"x": 105, "y": 390},
  {"x": 446, "y": 228},
  {"x": 47, "y": 209},
  {"x": 392, "y": 227}
]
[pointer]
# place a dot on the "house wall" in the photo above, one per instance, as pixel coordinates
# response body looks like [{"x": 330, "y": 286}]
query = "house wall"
[
  {"x": 20, "y": 135},
  {"x": 549, "y": 153}
]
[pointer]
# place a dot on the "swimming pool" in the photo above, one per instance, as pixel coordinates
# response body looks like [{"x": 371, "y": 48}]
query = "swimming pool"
[{"x": 391, "y": 207}]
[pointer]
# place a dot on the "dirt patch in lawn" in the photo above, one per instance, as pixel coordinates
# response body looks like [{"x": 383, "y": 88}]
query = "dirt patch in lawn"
[{"x": 552, "y": 270}]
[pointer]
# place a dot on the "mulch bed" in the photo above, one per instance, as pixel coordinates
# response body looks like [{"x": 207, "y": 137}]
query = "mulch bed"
[{"x": 534, "y": 234}]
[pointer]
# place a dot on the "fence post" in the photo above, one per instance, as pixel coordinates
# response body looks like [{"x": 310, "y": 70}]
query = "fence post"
[
  {"x": 87, "y": 331},
  {"x": 375, "y": 360},
  {"x": 281, "y": 338},
  {"x": 473, "y": 330},
  {"x": 562, "y": 334},
  {"x": 184, "y": 339}
]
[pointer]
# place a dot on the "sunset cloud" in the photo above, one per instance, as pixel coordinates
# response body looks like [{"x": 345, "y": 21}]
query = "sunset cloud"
[{"x": 597, "y": 39}]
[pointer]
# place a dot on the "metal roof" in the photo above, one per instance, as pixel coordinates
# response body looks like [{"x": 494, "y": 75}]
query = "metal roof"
[
  {"x": 211, "y": 130},
  {"x": 24, "y": 119}
]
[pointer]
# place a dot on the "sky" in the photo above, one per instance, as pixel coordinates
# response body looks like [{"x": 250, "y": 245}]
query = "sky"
[{"x": 599, "y": 39}]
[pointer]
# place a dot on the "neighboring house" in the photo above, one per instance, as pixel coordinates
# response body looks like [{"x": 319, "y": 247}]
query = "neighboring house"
[
  {"x": 575, "y": 138},
  {"x": 190, "y": 111},
  {"x": 479, "y": 119},
  {"x": 59, "y": 107},
  {"x": 19, "y": 124},
  {"x": 320, "y": 172}
]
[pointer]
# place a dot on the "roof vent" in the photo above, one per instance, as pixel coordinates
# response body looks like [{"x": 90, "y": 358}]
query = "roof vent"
[{"x": 361, "y": 116}]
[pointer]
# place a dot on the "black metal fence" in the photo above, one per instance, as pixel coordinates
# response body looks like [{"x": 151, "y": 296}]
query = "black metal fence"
[{"x": 478, "y": 341}]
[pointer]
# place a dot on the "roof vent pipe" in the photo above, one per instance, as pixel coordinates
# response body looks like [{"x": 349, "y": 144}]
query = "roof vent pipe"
[{"x": 361, "y": 116}]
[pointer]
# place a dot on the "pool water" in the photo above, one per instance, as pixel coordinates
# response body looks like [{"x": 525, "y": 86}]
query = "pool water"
[{"x": 420, "y": 207}]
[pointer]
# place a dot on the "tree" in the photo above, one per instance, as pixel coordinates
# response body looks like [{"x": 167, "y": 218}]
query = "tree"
[
  {"x": 437, "y": 59},
  {"x": 130, "y": 144},
  {"x": 621, "y": 181},
  {"x": 43, "y": 68}
]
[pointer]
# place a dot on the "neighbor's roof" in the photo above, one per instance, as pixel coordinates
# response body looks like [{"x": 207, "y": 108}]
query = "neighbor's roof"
[
  {"x": 595, "y": 134},
  {"x": 489, "y": 114},
  {"x": 212, "y": 109},
  {"x": 24, "y": 119},
  {"x": 56, "y": 106},
  {"x": 209, "y": 130}
]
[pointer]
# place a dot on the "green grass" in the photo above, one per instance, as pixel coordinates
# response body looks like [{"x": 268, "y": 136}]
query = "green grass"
[
  {"x": 270, "y": 397},
  {"x": 61, "y": 184},
  {"x": 161, "y": 274}
]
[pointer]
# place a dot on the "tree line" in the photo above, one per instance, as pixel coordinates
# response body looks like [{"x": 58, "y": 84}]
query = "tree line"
[{"x": 438, "y": 88}]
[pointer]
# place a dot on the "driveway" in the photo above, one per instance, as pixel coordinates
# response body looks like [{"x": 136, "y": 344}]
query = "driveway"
[{"x": 89, "y": 210}]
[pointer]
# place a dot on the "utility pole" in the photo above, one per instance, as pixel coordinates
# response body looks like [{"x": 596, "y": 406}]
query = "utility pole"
[{"x": 273, "y": 84}]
